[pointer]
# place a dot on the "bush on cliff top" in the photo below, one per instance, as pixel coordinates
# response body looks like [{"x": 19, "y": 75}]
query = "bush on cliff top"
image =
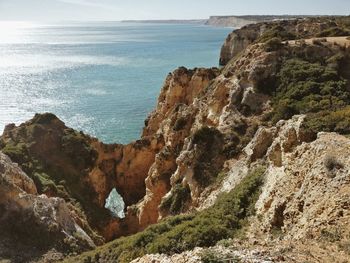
[
  {"x": 45, "y": 118},
  {"x": 305, "y": 87},
  {"x": 329, "y": 121},
  {"x": 276, "y": 32},
  {"x": 273, "y": 44},
  {"x": 334, "y": 32},
  {"x": 180, "y": 233}
]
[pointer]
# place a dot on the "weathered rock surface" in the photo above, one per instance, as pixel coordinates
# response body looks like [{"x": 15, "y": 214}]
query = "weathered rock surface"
[
  {"x": 34, "y": 224},
  {"x": 221, "y": 254},
  {"x": 71, "y": 165},
  {"x": 304, "y": 193},
  {"x": 303, "y": 204}
]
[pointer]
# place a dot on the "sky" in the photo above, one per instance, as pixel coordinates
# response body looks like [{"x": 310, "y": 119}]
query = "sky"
[{"x": 57, "y": 10}]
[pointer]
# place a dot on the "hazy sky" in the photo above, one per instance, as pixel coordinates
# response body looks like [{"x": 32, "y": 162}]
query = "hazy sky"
[{"x": 161, "y": 9}]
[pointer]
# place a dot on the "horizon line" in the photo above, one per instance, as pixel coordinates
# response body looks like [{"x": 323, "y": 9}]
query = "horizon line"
[{"x": 166, "y": 19}]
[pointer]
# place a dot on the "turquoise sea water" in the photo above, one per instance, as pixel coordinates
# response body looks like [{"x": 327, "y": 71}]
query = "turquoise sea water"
[{"x": 103, "y": 78}]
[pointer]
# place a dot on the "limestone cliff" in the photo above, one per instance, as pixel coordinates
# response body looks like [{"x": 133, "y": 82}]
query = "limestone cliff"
[
  {"x": 221, "y": 128},
  {"x": 36, "y": 225},
  {"x": 227, "y": 153},
  {"x": 71, "y": 165},
  {"x": 302, "y": 28},
  {"x": 302, "y": 212}
]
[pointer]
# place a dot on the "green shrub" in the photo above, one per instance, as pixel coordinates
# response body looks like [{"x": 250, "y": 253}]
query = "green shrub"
[
  {"x": 17, "y": 152},
  {"x": 338, "y": 60},
  {"x": 180, "y": 124},
  {"x": 181, "y": 233},
  {"x": 45, "y": 118},
  {"x": 306, "y": 87},
  {"x": 334, "y": 32},
  {"x": 276, "y": 32},
  {"x": 329, "y": 121},
  {"x": 331, "y": 234},
  {"x": 44, "y": 183},
  {"x": 231, "y": 145},
  {"x": 343, "y": 21},
  {"x": 273, "y": 44},
  {"x": 212, "y": 256},
  {"x": 208, "y": 161},
  {"x": 178, "y": 199},
  {"x": 205, "y": 135},
  {"x": 331, "y": 162}
]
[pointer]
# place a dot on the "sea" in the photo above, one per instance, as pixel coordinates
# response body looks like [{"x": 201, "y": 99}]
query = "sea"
[{"x": 103, "y": 78}]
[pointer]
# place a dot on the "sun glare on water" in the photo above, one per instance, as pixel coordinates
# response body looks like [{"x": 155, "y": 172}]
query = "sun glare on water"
[{"x": 12, "y": 31}]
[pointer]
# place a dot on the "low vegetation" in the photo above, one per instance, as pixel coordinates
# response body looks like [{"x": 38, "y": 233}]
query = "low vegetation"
[
  {"x": 331, "y": 235},
  {"x": 180, "y": 233},
  {"x": 276, "y": 32},
  {"x": 312, "y": 84},
  {"x": 306, "y": 87},
  {"x": 334, "y": 32},
  {"x": 329, "y": 121},
  {"x": 273, "y": 44},
  {"x": 331, "y": 163},
  {"x": 180, "y": 124},
  {"x": 207, "y": 163},
  {"x": 211, "y": 256},
  {"x": 178, "y": 200}
]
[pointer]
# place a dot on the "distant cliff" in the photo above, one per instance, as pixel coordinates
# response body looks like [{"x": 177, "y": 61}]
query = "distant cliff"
[
  {"x": 240, "y": 21},
  {"x": 219, "y": 21},
  {"x": 169, "y": 21}
]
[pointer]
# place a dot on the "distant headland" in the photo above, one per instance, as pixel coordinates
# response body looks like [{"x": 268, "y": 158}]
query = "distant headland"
[
  {"x": 170, "y": 21},
  {"x": 224, "y": 21}
]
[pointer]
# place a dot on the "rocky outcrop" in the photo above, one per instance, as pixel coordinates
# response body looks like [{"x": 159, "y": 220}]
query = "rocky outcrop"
[
  {"x": 12, "y": 174},
  {"x": 303, "y": 203},
  {"x": 217, "y": 253},
  {"x": 237, "y": 41},
  {"x": 174, "y": 118},
  {"x": 71, "y": 165},
  {"x": 300, "y": 28},
  {"x": 34, "y": 224},
  {"x": 189, "y": 103},
  {"x": 306, "y": 190}
]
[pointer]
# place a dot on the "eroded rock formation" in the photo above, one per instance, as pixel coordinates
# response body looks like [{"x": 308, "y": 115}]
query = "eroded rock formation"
[{"x": 34, "y": 224}]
